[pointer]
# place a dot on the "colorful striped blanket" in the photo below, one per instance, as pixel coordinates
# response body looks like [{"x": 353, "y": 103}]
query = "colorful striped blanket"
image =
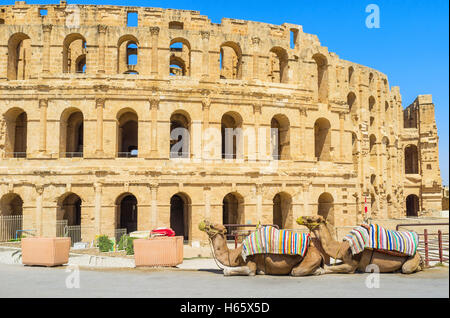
[
  {"x": 270, "y": 240},
  {"x": 374, "y": 236}
]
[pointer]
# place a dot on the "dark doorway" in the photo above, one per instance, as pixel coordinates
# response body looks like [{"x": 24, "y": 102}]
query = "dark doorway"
[
  {"x": 128, "y": 213},
  {"x": 179, "y": 206},
  {"x": 412, "y": 205}
]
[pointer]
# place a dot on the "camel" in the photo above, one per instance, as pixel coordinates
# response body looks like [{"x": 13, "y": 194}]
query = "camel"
[
  {"x": 261, "y": 264},
  {"x": 386, "y": 263}
]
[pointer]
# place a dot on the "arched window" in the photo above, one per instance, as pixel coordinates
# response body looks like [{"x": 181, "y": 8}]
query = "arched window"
[
  {"x": 371, "y": 103},
  {"x": 280, "y": 138},
  {"x": 127, "y": 61},
  {"x": 278, "y": 65},
  {"x": 322, "y": 139},
  {"x": 282, "y": 211},
  {"x": 233, "y": 209},
  {"x": 16, "y": 133},
  {"x": 127, "y": 135},
  {"x": 351, "y": 98},
  {"x": 70, "y": 210},
  {"x": 326, "y": 207},
  {"x": 230, "y": 61},
  {"x": 180, "y": 205},
  {"x": 355, "y": 150},
  {"x": 74, "y": 54},
  {"x": 373, "y": 150},
  {"x": 19, "y": 57},
  {"x": 180, "y": 127},
  {"x": 350, "y": 75},
  {"x": 11, "y": 213},
  {"x": 411, "y": 160},
  {"x": 322, "y": 77},
  {"x": 127, "y": 212},
  {"x": 232, "y": 136},
  {"x": 71, "y": 133},
  {"x": 180, "y": 57}
]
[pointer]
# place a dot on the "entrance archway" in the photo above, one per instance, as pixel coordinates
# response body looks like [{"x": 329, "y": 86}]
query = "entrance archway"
[
  {"x": 127, "y": 216},
  {"x": 180, "y": 215},
  {"x": 11, "y": 211},
  {"x": 326, "y": 207},
  {"x": 282, "y": 210},
  {"x": 233, "y": 209},
  {"x": 412, "y": 205}
]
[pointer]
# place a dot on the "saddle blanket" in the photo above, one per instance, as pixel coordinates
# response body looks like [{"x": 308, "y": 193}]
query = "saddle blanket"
[
  {"x": 374, "y": 236},
  {"x": 270, "y": 240}
]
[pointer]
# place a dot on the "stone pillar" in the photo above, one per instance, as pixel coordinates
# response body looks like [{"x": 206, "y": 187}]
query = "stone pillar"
[
  {"x": 99, "y": 105},
  {"x": 341, "y": 136},
  {"x": 154, "y": 204},
  {"x": 155, "y": 33},
  {"x": 207, "y": 201},
  {"x": 98, "y": 208},
  {"x": 257, "y": 112},
  {"x": 259, "y": 202},
  {"x": 101, "y": 48},
  {"x": 302, "y": 133},
  {"x": 43, "y": 105},
  {"x": 47, "y": 29},
  {"x": 154, "y": 105},
  {"x": 39, "y": 199},
  {"x": 256, "y": 42},
  {"x": 205, "y": 57}
]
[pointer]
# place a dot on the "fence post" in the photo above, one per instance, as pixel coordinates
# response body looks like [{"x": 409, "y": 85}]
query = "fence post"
[
  {"x": 441, "y": 258},
  {"x": 425, "y": 237}
]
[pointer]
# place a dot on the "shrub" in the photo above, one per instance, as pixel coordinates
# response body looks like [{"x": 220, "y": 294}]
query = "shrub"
[
  {"x": 105, "y": 244},
  {"x": 126, "y": 243}
]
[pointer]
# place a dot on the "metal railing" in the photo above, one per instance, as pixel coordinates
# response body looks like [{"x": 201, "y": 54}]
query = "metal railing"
[
  {"x": 127, "y": 154},
  {"x": 118, "y": 233},
  {"x": 74, "y": 232},
  {"x": 9, "y": 225},
  {"x": 73, "y": 154},
  {"x": 61, "y": 228},
  {"x": 235, "y": 234},
  {"x": 434, "y": 249}
]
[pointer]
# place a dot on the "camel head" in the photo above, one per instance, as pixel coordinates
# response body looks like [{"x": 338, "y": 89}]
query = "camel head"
[
  {"x": 211, "y": 229},
  {"x": 311, "y": 222}
]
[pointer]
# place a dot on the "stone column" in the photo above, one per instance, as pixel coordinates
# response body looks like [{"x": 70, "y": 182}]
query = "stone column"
[
  {"x": 101, "y": 48},
  {"x": 154, "y": 105},
  {"x": 302, "y": 133},
  {"x": 40, "y": 191},
  {"x": 341, "y": 136},
  {"x": 257, "y": 111},
  {"x": 98, "y": 207},
  {"x": 259, "y": 202},
  {"x": 256, "y": 42},
  {"x": 99, "y": 105},
  {"x": 47, "y": 29},
  {"x": 205, "y": 58},
  {"x": 207, "y": 200},
  {"x": 43, "y": 105},
  {"x": 155, "y": 33},
  {"x": 154, "y": 204}
]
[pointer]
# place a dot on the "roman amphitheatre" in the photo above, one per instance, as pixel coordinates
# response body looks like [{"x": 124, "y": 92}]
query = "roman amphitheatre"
[{"x": 89, "y": 103}]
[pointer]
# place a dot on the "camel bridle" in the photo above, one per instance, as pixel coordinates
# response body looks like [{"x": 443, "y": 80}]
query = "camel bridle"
[{"x": 210, "y": 237}]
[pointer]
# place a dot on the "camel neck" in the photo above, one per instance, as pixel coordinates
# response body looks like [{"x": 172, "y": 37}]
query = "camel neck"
[
  {"x": 223, "y": 254},
  {"x": 329, "y": 244}
]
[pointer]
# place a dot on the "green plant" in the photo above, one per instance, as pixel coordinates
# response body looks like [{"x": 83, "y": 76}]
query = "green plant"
[
  {"x": 105, "y": 244},
  {"x": 126, "y": 243}
]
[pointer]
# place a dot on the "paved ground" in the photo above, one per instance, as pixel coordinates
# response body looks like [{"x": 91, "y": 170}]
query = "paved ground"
[{"x": 20, "y": 281}]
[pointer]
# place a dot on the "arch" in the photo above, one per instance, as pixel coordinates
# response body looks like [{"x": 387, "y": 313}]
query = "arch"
[
  {"x": 180, "y": 57},
  {"x": 326, "y": 207},
  {"x": 355, "y": 150},
  {"x": 127, "y": 212},
  {"x": 371, "y": 103},
  {"x": 232, "y": 136},
  {"x": 71, "y": 133},
  {"x": 280, "y": 137},
  {"x": 74, "y": 46},
  {"x": 127, "y": 54},
  {"x": 16, "y": 121},
  {"x": 233, "y": 209},
  {"x": 180, "y": 215},
  {"x": 351, "y": 70},
  {"x": 19, "y": 57},
  {"x": 322, "y": 77},
  {"x": 180, "y": 134},
  {"x": 127, "y": 133},
  {"x": 278, "y": 65},
  {"x": 230, "y": 60},
  {"x": 351, "y": 98},
  {"x": 322, "y": 139},
  {"x": 412, "y": 205},
  {"x": 282, "y": 210},
  {"x": 11, "y": 213},
  {"x": 411, "y": 159},
  {"x": 69, "y": 208}
]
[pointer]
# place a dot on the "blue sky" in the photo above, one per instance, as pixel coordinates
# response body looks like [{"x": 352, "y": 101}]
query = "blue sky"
[{"x": 411, "y": 46}]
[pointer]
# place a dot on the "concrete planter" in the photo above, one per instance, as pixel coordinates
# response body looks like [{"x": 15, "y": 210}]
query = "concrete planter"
[
  {"x": 158, "y": 251},
  {"x": 43, "y": 251}
]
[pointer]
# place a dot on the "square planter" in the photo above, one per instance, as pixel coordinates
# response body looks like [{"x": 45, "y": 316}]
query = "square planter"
[
  {"x": 158, "y": 251},
  {"x": 43, "y": 251}
]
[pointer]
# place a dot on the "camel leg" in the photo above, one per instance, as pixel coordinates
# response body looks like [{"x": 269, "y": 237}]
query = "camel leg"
[
  {"x": 310, "y": 265},
  {"x": 344, "y": 269},
  {"x": 412, "y": 264},
  {"x": 248, "y": 270}
]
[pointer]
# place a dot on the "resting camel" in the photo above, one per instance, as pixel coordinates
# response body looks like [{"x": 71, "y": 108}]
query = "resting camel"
[
  {"x": 271, "y": 264},
  {"x": 341, "y": 250}
]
